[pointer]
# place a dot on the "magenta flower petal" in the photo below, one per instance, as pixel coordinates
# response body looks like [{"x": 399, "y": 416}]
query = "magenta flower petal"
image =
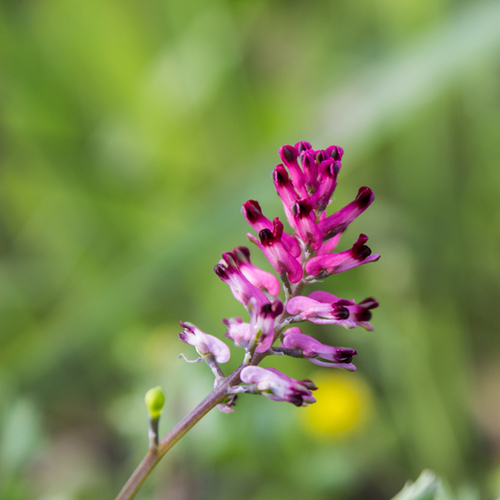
[
  {"x": 336, "y": 152},
  {"x": 310, "y": 167},
  {"x": 339, "y": 221},
  {"x": 329, "y": 245},
  {"x": 311, "y": 310},
  {"x": 270, "y": 243},
  {"x": 277, "y": 386},
  {"x": 286, "y": 191},
  {"x": 264, "y": 324},
  {"x": 302, "y": 146},
  {"x": 238, "y": 331},
  {"x": 204, "y": 343},
  {"x": 257, "y": 277},
  {"x": 359, "y": 314},
  {"x": 253, "y": 214},
  {"x": 318, "y": 353},
  {"x": 289, "y": 155},
  {"x": 325, "y": 297},
  {"x": 228, "y": 271},
  {"x": 305, "y": 223},
  {"x": 339, "y": 262},
  {"x": 328, "y": 171}
]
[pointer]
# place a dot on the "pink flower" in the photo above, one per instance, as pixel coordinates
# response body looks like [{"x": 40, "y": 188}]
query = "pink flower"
[
  {"x": 339, "y": 262},
  {"x": 305, "y": 223},
  {"x": 339, "y": 221},
  {"x": 262, "y": 322},
  {"x": 327, "y": 173},
  {"x": 359, "y": 314},
  {"x": 289, "y": 155},
  {"x": 228, "y": 271},
  {"x": 320, "y": 313},
  {"x": 286, "y": 191},
  {"x": 238, "y": 331},
  {"x": 277, "y": 386},
  {"x": 257, "y": 277},
  {"x": 270, "y": 243},
  {"x": 204, "y": 343},
  {"x": 318, "y": 353},
  {"x": 253, "y": 214},
  {"x": 261, "y": 326}
]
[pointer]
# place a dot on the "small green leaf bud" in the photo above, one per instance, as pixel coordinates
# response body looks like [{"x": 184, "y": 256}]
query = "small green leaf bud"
[{"x": 155, "y": 399}]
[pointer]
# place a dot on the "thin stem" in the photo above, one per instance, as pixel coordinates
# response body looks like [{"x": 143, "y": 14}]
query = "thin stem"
[
  {"x": 153, "y": 432},
  {"x": 154, "y": 455}
]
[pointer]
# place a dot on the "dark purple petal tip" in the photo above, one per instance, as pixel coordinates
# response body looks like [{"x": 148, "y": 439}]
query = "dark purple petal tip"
[
  {"x": 251, "y": 210},
  {"x": 364, "y": 197},
  {"x": 341, "y": 312},
  {"x": 288, "y": 153}
]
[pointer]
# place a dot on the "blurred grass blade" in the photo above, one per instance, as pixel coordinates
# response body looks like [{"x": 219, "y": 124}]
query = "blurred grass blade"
[{"x": 425, "y": 487}]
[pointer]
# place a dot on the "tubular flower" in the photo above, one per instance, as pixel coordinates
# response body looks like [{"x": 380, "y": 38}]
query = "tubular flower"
[
  {"x": 339, "y": 262},
  {"x": 228, "y": 271},
  {"x": 339, "y": 221},
  {"x": 271, "y": 245},
  {"x": 257, "y": 277},
  {"x": 260, "y": 329},
  {"x": 359, "y": 314},
  {"x": 238, "y": 331},
  {"x": 204, "y": 343},
  {"x": 318, "y": 353},
  {"x": 289, "y": 156},
  {"x": 305, "y": 222},
  {"x": 277, "y": 386},
  {"x": 286, "y": 191},
  {"x": 253, "y": 214},
  {"x": 262, "y": 322},
  {"x": 308, "y": 309}
]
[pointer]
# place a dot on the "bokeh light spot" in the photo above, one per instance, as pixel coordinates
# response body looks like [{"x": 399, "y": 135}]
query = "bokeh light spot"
[{"x": 343, "y": 406}]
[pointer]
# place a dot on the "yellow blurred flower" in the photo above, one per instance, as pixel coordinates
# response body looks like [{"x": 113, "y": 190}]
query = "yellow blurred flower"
[{"x": 344, "y": 404}]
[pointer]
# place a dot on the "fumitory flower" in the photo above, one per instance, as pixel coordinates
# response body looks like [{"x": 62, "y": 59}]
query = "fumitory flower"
[
  {"x": 318, "y": 353},
  {"x": 228, "y": 271},
  {"x": 359, "y": 314},
  {"x": 338, "y": 222},
  {"x": 260, "y": 330},
  {"x": 277, "y": 386},
  {"x": 339, "y": 262},
  {"x": 204, "y": 343},
  {"x": 274, "y": 249},
  {"x": 258, "y": 277}
]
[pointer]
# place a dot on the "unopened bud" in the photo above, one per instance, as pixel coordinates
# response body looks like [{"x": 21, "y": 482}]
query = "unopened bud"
[{"x": 155, "y": 399}]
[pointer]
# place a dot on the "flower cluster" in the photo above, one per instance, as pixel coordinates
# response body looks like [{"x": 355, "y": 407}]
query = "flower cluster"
[{"x": 305, "y": 181}]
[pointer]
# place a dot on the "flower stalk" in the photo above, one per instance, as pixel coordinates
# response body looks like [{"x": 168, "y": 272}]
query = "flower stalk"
[{"x": 305, "y": 182}]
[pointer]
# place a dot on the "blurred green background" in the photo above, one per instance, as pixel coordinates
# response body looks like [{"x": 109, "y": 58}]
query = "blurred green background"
[{"x": 130, "y": 135}]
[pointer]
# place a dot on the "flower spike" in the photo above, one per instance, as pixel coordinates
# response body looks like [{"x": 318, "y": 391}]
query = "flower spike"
[{"x": 305, "y": 182}]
